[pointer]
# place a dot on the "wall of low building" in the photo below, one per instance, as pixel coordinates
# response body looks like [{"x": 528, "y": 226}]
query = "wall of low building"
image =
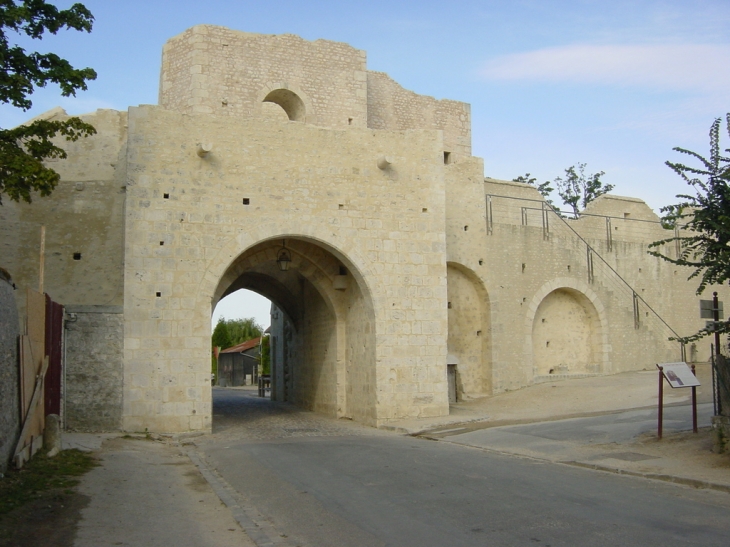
[
  {"x": 9, "y": 379},
  {"x": 94, "y": 337}
]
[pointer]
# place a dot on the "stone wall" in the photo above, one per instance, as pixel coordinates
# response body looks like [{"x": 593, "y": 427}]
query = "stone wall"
[
  {"x": 268, "y": 182},
  {"x": 83, "y": 218},
  {"x": 313, "y": 357},
  {"x": 215, "y": 70},
  {"x": 392, "y": 107},
  {"x": 94, "y": 368},
  {"x": 468, "y": 334},
  {"x": 378, "y": 249},
  {"x": 9, "y": 379}
]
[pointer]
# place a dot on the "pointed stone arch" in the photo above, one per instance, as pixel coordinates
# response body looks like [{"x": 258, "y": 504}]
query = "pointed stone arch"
[
  {"x": 327, "y": 300},
  {"x": 469, "y": 338}
]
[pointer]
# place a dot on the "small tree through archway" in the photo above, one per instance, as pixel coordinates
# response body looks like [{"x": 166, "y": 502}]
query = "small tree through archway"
[{"x": 240, "y": 320}]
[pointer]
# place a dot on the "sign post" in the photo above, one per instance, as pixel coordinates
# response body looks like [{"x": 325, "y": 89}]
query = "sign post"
[
  {"x": 713, "y": 309},
  {"x": 679, "y": 375}
]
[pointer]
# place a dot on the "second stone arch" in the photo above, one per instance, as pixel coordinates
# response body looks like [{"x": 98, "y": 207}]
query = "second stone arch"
[{"x": 469, "y": 362}]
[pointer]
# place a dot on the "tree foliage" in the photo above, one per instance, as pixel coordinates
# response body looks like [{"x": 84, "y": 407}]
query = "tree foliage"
[
  {"x": 231, "y": 332},
  {"x": 544, "y": 188},
  {"x": 577, "y": 190},
  {"x": 23, "y": 149},
  {"x": 703, "y": 219},
  {"x": 221, "y": 338}
]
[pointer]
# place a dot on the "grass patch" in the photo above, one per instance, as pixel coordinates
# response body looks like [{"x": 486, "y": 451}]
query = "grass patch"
[{"x": 19, "y": 486}]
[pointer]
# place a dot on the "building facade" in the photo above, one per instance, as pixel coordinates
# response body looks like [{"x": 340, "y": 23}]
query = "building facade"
[{"x": 405, "y": 262}]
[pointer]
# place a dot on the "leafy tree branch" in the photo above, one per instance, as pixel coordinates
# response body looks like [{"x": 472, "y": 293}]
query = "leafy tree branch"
[
  {"x": 24, "y": 148},
  {"x": 703, "y": 219},
  {"x": 576, "y": 190}
]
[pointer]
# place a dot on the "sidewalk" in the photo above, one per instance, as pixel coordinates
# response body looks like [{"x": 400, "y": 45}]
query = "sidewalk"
[
  {"x": 606, "y": 423},
  {"x": 149, "y": 493}
]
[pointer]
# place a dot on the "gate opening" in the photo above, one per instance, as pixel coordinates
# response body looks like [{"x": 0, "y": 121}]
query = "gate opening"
[{"x": 321, "y": 336}]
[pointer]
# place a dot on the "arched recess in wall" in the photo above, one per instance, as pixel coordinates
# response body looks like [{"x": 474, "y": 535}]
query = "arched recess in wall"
[
  {"x": 292, "y": 100},
  {"x": 469, "y": 340},
  {"x": 567, "y": 331},
  {"x": 323, "y": 349}
]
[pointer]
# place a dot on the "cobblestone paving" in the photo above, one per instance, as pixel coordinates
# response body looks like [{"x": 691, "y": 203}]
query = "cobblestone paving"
[{"x": 239, "y": 413}]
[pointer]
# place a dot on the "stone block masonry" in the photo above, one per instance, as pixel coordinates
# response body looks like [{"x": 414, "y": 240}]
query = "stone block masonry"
[
  {"x": 94, "y": 370},
  {"x": 400, "y": 257},
  {"x": 9, "y": 381}
]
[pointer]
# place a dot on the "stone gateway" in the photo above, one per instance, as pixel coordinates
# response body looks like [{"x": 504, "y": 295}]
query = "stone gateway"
[{"x": 396, "y": 269}]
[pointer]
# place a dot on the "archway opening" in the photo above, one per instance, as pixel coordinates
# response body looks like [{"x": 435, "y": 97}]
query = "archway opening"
[
  {"x": 565, "y": 335},
  {"x": 322, "y": 325},
  {"x": 469, "y": 349},
  {"x": 240, "y": 343},
  {"x": 290, "y": 102}
]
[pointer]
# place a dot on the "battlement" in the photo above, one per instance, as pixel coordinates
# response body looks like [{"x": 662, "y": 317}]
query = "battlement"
[{"x": 215, "y": 70}]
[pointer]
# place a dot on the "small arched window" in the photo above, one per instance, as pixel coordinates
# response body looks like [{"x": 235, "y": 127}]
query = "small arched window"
[{"x": 289, "y": 101}]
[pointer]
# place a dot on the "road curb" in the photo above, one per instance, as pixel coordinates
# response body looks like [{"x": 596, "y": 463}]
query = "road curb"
[
  {"x": 257, "y": 528},
  {"x": 684, "y": 481}
]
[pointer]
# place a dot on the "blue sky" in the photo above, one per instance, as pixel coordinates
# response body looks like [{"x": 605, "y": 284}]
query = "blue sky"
[{"x": 614, "y": 84}]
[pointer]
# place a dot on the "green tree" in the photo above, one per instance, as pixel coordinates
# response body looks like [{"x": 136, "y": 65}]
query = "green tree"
[
  {"x": 703, "y": 218},
  {"x": 242, "y": 330},
  {"x": 23, "y": 149},
  {"x": 545, "y": 189},
  {"x": 221, "y": 337},
  {"x": 577, "y": 190}
]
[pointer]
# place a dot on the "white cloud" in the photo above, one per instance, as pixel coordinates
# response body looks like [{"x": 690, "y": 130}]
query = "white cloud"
[{"x": 697, "y": 67}]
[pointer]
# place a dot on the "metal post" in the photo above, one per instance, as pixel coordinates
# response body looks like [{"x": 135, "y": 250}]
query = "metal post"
[
  {"x": 490, "y": 218},
  {"x": 694, "y": 405},
  {"x": 716, "y": 405},
  {"x": 545, "y": 222},
  {"x": 660, "y": 415},
  {"x": 589, "y": 263},
  {"x": 716, "y": 317}
]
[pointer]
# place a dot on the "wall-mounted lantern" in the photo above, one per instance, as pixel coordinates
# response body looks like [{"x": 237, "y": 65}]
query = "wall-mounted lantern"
[{"x": 283, "y": 259}]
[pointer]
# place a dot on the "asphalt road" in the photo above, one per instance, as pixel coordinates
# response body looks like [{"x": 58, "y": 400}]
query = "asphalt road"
[{"x": 321, "y": 483}]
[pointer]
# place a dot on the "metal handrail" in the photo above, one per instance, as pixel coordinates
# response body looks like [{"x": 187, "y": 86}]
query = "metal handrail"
[
  {"x": 590, "y": 249},
  {"x": 575, "y": 215}
]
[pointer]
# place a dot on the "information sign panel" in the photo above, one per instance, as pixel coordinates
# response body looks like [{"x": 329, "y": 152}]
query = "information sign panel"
[
  {"x": 679, "y": 375},
  {"x": 708, "y": 312}
]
